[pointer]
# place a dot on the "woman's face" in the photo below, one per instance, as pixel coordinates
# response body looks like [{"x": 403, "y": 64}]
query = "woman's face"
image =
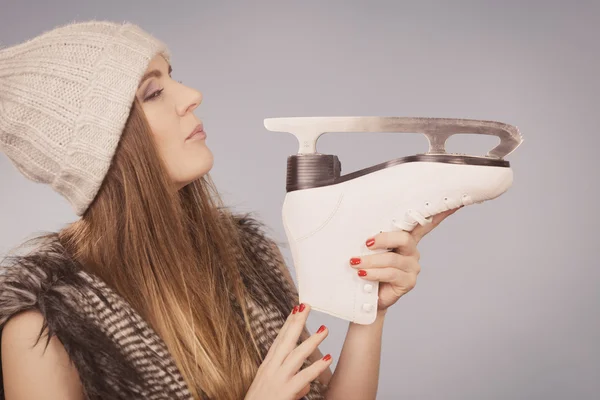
[{"x": 169, "y": 106}]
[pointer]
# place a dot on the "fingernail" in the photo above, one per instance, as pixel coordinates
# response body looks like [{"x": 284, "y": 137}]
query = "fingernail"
[
  {"x": 355, "y": 261},
  {"x": 362, "y": 272},
  {"x": 302, "y": 307},
  {"x": 370, "y": 242},
  {"x": 295, "y": 310},
  {"x": 327, "y": 357},
  {"x": 321, "y": 329}
]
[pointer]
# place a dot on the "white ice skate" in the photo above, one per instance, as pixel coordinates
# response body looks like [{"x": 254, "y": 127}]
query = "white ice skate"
[{"x": 327, "y": 216}]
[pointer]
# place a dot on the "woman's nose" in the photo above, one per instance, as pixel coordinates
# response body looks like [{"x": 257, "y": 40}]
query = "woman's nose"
[{"x": 193, "y": 101}]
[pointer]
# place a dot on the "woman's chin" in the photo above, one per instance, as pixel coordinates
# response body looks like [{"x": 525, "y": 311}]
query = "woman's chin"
[
  {"x": 202, "y": 163},
  {"x": 196, "y": 171},
  {"x": 201, "y": 171}
]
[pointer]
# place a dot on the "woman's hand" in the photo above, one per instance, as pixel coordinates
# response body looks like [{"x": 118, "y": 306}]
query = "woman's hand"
[
  {"x": 278, "y": 377},
  {"x": 396, "y": 270}
]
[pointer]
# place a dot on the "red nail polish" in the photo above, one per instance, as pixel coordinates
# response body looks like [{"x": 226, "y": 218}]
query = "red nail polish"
[
  {"x": 327, "y": 357},
  {"x": 355, "y": 261},
  {"x": 362, "y": 272},
  {"x": 321, "y": 329},
  {"x": 302, "y": 307},
  {"x": 295, "y": 310},
  {"x": 370, "y": 242}
]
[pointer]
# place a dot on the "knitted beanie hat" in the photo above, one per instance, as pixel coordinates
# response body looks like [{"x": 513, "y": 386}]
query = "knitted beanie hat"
[{"x": 65, "y": 97}]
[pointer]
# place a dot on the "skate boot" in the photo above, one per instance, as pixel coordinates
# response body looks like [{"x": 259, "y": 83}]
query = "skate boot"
[{"x": 328, "y": 216}]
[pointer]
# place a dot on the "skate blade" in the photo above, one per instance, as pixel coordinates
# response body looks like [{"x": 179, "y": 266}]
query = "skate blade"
[{"x": 437, "y": 130}]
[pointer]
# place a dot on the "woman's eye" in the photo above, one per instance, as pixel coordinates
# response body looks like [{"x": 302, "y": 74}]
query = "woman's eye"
[{"x": 155, "y": 94}]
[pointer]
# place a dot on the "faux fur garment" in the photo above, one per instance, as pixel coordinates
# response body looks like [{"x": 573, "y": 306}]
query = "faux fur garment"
[{"x": 117, "y": 354}]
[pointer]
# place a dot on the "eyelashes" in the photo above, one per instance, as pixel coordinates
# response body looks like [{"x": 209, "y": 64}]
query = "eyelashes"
[{"x": 156, "y": 94}]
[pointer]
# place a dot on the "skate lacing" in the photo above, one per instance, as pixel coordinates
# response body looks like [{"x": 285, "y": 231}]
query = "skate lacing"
[
  {"x": 414, "y": 217},
  {"x": 410, "y": 220},
  {"x": 418, "y": 217}
]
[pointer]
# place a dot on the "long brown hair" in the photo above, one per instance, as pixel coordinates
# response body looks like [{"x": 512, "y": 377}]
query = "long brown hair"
[{"x": 170, "y": 254}]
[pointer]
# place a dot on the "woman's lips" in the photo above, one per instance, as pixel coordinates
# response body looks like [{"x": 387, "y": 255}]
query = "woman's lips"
[{"x": 197, "y": 133}]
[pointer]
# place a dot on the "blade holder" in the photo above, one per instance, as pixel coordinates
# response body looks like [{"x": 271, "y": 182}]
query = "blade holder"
[{"x": 310, "y": 170}]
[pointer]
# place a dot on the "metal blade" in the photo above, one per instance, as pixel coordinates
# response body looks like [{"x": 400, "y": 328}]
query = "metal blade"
[{"x": 437, "y": 130}]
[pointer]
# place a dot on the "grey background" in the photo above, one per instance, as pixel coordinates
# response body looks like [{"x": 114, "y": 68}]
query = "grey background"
[{"x": 506, "y": 306}]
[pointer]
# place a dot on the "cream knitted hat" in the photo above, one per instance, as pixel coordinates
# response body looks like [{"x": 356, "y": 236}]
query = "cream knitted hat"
[{"x": 65, "y": 97}]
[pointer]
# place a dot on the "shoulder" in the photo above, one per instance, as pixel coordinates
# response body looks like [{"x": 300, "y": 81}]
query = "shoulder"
[
  {"x": 44, "y": 279},
  {"x": 47, "y": 289},
  {"x": 26, "y": 359},
  {"x": 32, "y": 287}
]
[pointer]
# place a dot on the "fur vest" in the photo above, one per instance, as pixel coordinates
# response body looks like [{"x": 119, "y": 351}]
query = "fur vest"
[{"x": 116, "y": 353}]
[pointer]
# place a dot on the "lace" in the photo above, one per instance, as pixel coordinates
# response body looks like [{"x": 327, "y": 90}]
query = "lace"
[{"x": 413, "y": 217}]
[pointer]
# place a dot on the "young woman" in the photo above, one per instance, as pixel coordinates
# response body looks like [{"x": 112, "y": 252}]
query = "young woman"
[{"x": 157, "y": 290}]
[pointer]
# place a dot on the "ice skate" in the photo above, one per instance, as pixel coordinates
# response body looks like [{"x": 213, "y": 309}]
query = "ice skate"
[{"x": 328, "y": 216}]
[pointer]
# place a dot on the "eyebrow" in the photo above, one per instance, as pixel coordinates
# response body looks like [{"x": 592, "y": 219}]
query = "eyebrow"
[{"x": 154, "y": 73}]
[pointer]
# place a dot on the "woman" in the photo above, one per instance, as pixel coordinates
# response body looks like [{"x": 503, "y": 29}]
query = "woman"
[{"x": 158, "y": 290}]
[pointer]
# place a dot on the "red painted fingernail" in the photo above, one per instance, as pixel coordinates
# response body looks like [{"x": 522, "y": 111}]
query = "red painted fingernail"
[
  {"x": 362, "y": 272},
  {"x": 370, "y": 242},
  {"x": 295, "y": 310},
  {"x": 327, "y": 357},
  {"x": 355, "y": 261},
  {"x": 321, "y": 329},
  {"x": 302, "y": 307}
]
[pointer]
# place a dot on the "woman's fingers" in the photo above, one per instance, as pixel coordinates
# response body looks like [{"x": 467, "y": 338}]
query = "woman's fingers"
[
  {"x": 290, "y": 337},
  {"x": 303, "y": 392},
  {"x": 296, "y": 358},
  {"x": 282, "y": 381},
  {"x": 310, "y": 373},
  {"x": 282, "y": 333}
]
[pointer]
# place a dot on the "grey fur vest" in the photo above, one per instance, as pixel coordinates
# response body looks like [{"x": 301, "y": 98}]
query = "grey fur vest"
[{"x": 117, "y": 354}]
